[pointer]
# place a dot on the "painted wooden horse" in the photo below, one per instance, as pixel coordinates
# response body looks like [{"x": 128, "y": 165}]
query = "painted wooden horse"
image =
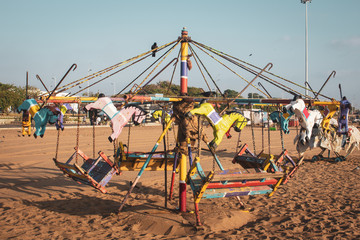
[
  {"x": 326, "y": 140},
  {"x": 26, "y": 123},
  {"x": 220, "y": 124},
  {"x": 345, "y": 107},
  {"x": 62, "y": 109},
  {"x": 307, "y": 118},
  {"x": 47, "y": 114},
  {"x": 118, "y": 118},
  {"x": 157, "y": 115},
  {"x": 283, "y": 119}
]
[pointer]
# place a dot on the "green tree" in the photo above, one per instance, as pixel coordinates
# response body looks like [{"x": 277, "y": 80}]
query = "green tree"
[
  {"x": 12, "y": 96},
  {"x": 231, "y": 93},
  {"x": 254, "y": 95}
]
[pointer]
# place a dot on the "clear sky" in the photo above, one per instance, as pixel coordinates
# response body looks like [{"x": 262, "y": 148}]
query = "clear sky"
[{"x": 46, "y": 37}]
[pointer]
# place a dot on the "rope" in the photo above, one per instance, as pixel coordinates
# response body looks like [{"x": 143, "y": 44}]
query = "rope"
[
  {"x": 159, "y": 73},
  {"x": 262, "y": 77},
  {"x": 143, "y": 72},
  {"x": 99, "y": 73},
  {"x": 231, "y": 70},
  {"x": 214, "y": 50},
  {"x": 197, "y": 63},
  {"x": 137, "y": 89},
  {"x": 107, "y": 76},
  {"x": 173, "y": 73},
  {"x": 271, "y": 81}
]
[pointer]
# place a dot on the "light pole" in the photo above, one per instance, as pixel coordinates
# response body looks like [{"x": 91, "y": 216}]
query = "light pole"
[
  {"x": 54, "y": 81},
  {"x": 114, "y": 86},
  {"x": 88, "y": 88},
  {"x": 306, "y": 48}
]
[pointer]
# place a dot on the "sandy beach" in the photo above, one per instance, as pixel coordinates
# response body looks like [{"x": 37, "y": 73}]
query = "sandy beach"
[{"x": 38, "y": 202}]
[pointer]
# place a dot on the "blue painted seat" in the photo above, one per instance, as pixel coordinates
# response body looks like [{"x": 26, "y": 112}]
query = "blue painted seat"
[{"x": 93, "y": 172}]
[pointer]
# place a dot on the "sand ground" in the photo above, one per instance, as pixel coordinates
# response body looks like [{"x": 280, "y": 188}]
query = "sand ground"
[{"x": 38, "y": 202}]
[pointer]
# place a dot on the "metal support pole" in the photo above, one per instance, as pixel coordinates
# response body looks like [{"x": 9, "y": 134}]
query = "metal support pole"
[
  {"x": 183, "y": 66},
  {"x": 182, "y": 183},
  {"x": 306, "y": 48},
  {"x": 183, "y": 92},
  {"x": 307, "y": 51},
  {"x": 27, "y": 85}
]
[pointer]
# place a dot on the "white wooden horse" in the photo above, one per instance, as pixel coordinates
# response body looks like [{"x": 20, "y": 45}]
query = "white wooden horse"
[
  {"x": 307, "y": 118},
  {"x": 333, "y": 142},
  {"x": 118, "y": 118}
]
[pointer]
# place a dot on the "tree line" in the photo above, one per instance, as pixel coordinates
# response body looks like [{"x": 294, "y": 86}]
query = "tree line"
[
  {"x": 173, "y": 90},
  {"x": 11, "y": 96}
]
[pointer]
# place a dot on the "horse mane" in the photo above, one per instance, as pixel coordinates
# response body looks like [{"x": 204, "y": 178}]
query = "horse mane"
[
  {"x": 53, "y": 109},
  {"x": 230, "y": 112},
  {"x": 136, "y": 106}
]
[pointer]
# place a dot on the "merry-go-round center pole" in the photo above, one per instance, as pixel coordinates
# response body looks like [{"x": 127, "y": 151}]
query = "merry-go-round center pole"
[{"x": 183, "y": 92}]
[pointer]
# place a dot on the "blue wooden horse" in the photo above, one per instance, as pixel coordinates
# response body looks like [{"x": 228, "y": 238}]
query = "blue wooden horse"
[
  {"x": 283, "y": 119},
  {"x": 47, "y": 114}
]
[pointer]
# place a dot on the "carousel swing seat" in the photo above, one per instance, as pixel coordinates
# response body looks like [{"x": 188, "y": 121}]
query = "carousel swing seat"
[
  {"x": 267, "y": 162},
  {"x": 230, "y": 183},
  {"x": 93, "y": 172},
  {"x": 134, "y": 161}
]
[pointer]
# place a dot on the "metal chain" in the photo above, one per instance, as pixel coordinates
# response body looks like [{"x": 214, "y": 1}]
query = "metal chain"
[
  {"x": 77, "y": 131},
  {"x": 94, "y": 121},
  {"x": 238, "y": 141},
  {"x": 57, "y": 144},
  {"x": 268, "y": 119},
  {"x": 262, "y": 130},
  {"x": 115, "y": 147},
  {"x": 167, "y": 140},
  {"x": 128, "y": 140},
  {"x": 200, "y": 129},
  {"x": 252, "y": 128},
  {"x": 281, "y": 132}
]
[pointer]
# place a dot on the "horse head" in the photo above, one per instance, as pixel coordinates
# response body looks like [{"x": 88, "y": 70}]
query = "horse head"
[
  {"x": 239, "y": 121},
  {"x": 298, "y": 108},
  {"x": 282, "y": 119},
  {"x": 29, "y": 105},
  {"x": 138, "y": 113}
]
